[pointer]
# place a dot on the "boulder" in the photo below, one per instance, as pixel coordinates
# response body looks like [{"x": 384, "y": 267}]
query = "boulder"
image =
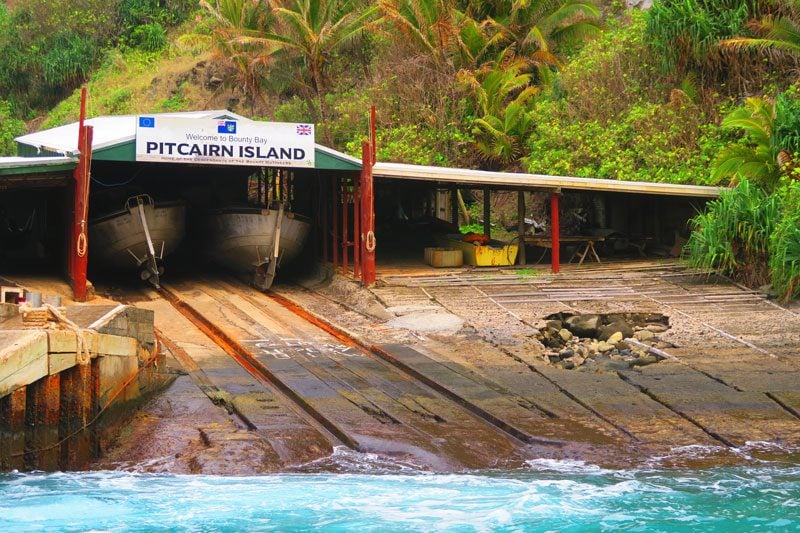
[
  {"x": 615, "y": 338},
  {"x": 583, "y": 325},
  {"x": 643, "y": 335},
  {"x": 619, "y": 326},
  {"x": 604, "y": 346},
  {"x": 555, "y": 324},
  {"x": 565, "y": 334}
]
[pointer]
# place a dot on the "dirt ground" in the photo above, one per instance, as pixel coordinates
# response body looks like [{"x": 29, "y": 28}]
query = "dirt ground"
[{"x": 720, "y": 385}]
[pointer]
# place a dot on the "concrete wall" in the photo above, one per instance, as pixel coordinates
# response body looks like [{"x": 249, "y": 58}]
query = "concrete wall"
[{"x": 56, "y": 413}]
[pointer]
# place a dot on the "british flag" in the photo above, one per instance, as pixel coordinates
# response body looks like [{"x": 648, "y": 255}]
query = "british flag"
[{"x": 304, "y": 129}]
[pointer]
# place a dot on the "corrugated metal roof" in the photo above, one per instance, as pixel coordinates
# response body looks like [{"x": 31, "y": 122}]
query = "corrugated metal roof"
[
  {"x": 108, "y": 131},
  {"x": 16, "y": 167},
  {"x": 468, "y": 177}
]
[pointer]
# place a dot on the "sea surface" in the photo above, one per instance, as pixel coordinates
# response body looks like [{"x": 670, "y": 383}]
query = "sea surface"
[{"x": 547, "y": 496}]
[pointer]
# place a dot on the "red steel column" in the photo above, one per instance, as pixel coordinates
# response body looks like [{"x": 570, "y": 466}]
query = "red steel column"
[
  {"x": 356, "y": 230},
  {"x": 79, "y": 241},
  {"x": 554, "y": 232},
  {"x": 368, "y": 274}
]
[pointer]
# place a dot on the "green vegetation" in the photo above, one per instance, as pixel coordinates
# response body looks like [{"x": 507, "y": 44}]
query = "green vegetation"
[
  {"x": 690, "y": 91},
  {"x": 10, "y": 127},
  {"x": 751, "y": 235}
]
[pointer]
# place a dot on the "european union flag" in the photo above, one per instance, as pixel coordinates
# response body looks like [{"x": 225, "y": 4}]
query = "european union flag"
[
  {"x": 226, "y": 126},
  {"x": 147, "y": 122}
]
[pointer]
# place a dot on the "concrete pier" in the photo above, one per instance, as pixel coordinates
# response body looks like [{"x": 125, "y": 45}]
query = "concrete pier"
[{"x": 64, "y": 391}]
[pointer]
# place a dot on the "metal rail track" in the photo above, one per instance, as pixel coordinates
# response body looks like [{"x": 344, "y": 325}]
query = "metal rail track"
[
  {"x": 247, "y": 359},
  {"x": 622, "y": 286}
]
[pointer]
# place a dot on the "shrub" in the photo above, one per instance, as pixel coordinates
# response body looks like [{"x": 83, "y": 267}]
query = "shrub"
[
  {"x": 10, "y": 127},
  {"x": 751, "y": 235},
  {"x": 149, "y": 37}
]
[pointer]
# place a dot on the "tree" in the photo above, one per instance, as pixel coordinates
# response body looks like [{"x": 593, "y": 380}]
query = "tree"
[
  {"x": 501, "y": 93},
  {"x": 777, "y": 34},
  {"x": 536, "y": 27},
  {"x": 237, "y": 38},
  {"x": 313, "y": 30},
  {"x": 431, "y": 26},
  {"x": 756, "y": 156}
]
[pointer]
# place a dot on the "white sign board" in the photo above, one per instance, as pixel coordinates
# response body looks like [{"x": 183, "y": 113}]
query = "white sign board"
[{"x": 224, "y": 142}]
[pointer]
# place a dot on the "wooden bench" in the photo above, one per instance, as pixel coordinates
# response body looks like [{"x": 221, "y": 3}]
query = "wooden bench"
[{"x": 585, "y": 245}]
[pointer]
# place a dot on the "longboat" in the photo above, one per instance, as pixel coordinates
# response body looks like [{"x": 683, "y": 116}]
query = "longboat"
[
  {"x": 255, "y": 241},
  {"x": 139, "y": 236}
]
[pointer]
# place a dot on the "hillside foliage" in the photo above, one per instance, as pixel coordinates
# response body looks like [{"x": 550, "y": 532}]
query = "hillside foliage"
[{"x": 689, "y": 91}]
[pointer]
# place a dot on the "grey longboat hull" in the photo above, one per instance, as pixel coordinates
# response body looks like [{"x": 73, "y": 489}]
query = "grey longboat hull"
[
  {"x": 115, "y": 237},
  {"x": 242, "y": 239}
]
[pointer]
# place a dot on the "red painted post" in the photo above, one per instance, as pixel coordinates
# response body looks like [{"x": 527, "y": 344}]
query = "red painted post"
[
  {"x": 554, "y": 234},
  {"x": 356, "y": 230},
  {"x": 368, "y": 243},
  {"x": 335, "y": 221},
  {"x": 79, "y": 241}
]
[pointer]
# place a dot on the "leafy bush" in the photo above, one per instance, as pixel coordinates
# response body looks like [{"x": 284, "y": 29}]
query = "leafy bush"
[
  {"x": 667, "y": 142},
  {"x": 10, "y": 127},
  {"x": 685, "y": 33},
  {"x": 149, "y": 37},
  {"x": 784, "y": 241},
  {"x": 751, "y": 235},
  {"x": 68, "y": 60}
]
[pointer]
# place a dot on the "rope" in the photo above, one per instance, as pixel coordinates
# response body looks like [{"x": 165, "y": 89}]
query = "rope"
[
  {"x": 82, "y": 354},
  {"x": 370, "y": 243},
  {"x": 82, "y": 243}
]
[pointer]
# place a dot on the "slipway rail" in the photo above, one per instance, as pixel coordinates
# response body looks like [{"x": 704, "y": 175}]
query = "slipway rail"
[{"x": 390, "y": 399}]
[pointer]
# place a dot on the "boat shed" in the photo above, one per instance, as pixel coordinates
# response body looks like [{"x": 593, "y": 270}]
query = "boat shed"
[
  {"x": 112, "y": 170},
  {"x": 337, "y": 193},
  {"x": 629, "y": 202}
]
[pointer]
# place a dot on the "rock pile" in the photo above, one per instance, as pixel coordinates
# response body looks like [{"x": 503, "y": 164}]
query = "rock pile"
[{"x": 598, "y": 340}]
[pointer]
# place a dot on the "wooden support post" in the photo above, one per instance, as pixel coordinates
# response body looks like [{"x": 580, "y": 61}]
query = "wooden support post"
[
  {"x": 92, "y": 399},
  {"x": 368, "y": 242},
  {"x": 12, "y": 430},
  {"x": 42, "y": 417},
  {"x": 521, "y": 226},
  {"x": 335, "y": 221},
  {"x": 323, "y": 222},
  {"x": 345, "y": 229},
  {"x": 454, "y": 206},
  {"x": 487, "y": 212},
  {"x": 76, "y": 409},
  {"x": 554, "y": 235}
]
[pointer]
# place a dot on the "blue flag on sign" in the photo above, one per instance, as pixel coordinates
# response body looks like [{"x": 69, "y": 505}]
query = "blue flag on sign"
[
  {"x": 226, "y": 126},
  {"x": 147, "y": 122}
]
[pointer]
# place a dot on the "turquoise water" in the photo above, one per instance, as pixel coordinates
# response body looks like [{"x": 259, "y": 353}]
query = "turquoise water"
[{"x": 548, "y": 497}]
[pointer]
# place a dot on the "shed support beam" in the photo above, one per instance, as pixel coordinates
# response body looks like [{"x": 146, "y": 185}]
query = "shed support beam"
[
  {"x": 521, "y": 226},
  {"x": 487, "y": 212},
  {"x": 554, "y": 234},
  {"x": 368, "y": 243},
  {"x": 79, "y": 241}
]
